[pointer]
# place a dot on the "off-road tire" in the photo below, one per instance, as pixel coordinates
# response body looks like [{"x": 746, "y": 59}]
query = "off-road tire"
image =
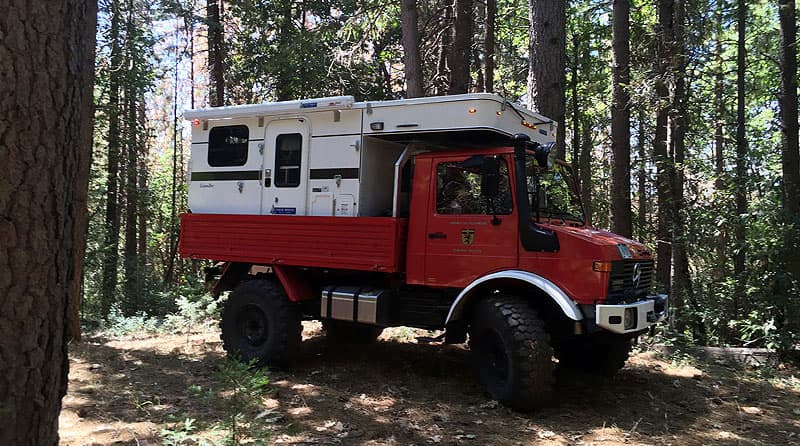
[
  {"x": 260, "y": 323},
  {"x": 512, "y": 352},
  {"x": 601, "y": 355},
  {"x": 342, "y": 332}
]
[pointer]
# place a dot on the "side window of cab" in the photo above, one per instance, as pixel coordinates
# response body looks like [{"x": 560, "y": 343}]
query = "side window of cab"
[{"x": 459, "y": 191}]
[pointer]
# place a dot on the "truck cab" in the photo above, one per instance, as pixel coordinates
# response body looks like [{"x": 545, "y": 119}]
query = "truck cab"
[{"x": 447, "y": 214}]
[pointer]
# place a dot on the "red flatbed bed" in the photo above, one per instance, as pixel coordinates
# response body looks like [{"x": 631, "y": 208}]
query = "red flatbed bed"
[{"x": 354, "y": 243}]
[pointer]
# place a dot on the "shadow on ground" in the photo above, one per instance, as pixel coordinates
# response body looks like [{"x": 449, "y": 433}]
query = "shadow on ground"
[{"x": 124, "y": 392}]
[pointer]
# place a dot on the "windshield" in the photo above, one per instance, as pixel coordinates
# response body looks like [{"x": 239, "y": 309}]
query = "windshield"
[{"x": 551, "y": 192}]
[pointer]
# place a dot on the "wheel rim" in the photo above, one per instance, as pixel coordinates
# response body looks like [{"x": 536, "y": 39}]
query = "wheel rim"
[
  {"x": 496, "y": 362},
  {"x": 252, "y": 325}
]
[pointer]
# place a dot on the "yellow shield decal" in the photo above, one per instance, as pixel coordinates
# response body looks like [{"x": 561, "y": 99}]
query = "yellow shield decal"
[{"x": 467, "y": 236}]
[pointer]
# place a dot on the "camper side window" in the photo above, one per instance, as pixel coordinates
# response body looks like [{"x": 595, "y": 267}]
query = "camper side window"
[
  {"x": 288, "y": 153},
  {"x": 227, "y": 146}
]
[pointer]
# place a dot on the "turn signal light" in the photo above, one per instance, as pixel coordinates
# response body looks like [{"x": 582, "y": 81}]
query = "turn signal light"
[{"x": 602, "y": 267}]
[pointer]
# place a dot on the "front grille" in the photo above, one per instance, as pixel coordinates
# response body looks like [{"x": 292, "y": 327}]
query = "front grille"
[{"x": 621, "y": 286}]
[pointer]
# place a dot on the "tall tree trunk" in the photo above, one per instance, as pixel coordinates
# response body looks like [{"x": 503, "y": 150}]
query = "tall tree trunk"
[
  {"x": 216, "y": 53},
  {"x": 173, "y": 225},
  {"x": 791, "y": 156},
  {"x": 576, "y": 110},
  {"x": 489, "y": 42},
  {"x": 412, "y": 63},
  {"x": 663, "y": 162},
  {"x": 46, "y": 151},
  {"x": 681, "y": 285},
  {"x": 111, "y": 249},
  {"x": 721, "y": 268},
  {"x": 586, "y": 171},
  {"x": 546, "y": 78},
  {"x": 789, "y": 121},
  {"x": 130, "y": 261},
  {"x": 442, "y": 67},
  {"x": 642, "y": 179},
  {"x": 143, "y": 195},
  {"x": 283, "y": 81},
  {"x": 740, "y": 183},
  {"x": 460, "y": 51},
  {"x": 621, "y": 122}
]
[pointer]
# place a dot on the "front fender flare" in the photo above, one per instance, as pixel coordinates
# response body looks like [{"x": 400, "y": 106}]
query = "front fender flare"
[{"x": 549, "y": 288}]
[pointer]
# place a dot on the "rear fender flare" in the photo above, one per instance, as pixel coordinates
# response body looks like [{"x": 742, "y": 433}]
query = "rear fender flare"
[{"x": 556, "y": 294}]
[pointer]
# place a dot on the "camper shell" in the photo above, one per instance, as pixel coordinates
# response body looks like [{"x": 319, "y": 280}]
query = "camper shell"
[{"x": 334, "y": 156}]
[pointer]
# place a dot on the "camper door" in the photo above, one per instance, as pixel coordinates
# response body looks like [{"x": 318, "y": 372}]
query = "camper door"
[{"x": 285, "y": 167}]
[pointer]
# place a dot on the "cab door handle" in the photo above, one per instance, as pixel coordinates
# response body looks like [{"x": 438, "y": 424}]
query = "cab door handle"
[{"x": 434, "y": 235}]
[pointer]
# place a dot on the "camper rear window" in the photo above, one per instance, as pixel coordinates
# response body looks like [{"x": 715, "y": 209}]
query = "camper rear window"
[
  {"x": 227, "y": 146},
  {"x": 287, "y": 159}
]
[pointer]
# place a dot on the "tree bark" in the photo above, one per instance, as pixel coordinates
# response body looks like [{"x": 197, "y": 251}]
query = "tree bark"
[
  {"x": 46, "y": 63},
  {"x": 108, "y": 292},
  {"x": 681, "y": 285},
  {"x": 660, "y": 144},
  {"x": 442, "y": 68},
  {"x": 642, "y": 179},
  {"x": 412, "y": 64},
  {"x": 721, "y": 267},
  {"x": 489, "y": 43},
  {"x": 216, "y": 53},
  {"x": 586, "y": 172},
  {"x": 740, "y": 183},
  {"x": 546, "y": 79},
  {"x": 788, "y": 103},
  {"x": 130, "y": 261},
  {"x": 621, "y": 122},
  {"x": 460, "y": 51},
  {"x": 791, "y": 158}
]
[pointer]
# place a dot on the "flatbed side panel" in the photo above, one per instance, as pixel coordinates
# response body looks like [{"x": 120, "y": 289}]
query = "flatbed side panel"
[{"x": 354, "y": 243}]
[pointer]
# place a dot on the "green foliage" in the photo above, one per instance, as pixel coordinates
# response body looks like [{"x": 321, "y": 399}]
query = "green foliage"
[{"x": 245, "y": 388}]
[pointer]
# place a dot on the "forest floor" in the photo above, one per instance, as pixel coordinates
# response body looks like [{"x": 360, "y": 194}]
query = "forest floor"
[{"x": 127, "y": 391}]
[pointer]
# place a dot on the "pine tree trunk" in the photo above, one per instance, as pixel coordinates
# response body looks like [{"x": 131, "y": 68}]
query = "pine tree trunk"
[
  {"x": 442, "y": 67},
  {"x": 721, "y": 267},
  {"x": 660, "y": 144},
  {"x": 621, "y": 122},
  {"x": 143, "y": 202},
  {"x": 546, "y": 79},
  {"x": 108, "y": 294},
  {"x": 586, "y": 172},
  {"x": 740, "y": 183},
  {"x": 788, "y": 103},
  {"x": 681, "y": 285},
  {"x": 46, "y": 131},
  {"x": 216, "y": 53},
  {"x": 489, "y": 43},
  {"x": 411, "y": 59},
  {"x": 642, "y": 179},
  {"x": 460, "y": 51},
  {"x": 791, "y": 158},
  {"x": 130, "y": 246},
  {"x": 172, "y": 248}
]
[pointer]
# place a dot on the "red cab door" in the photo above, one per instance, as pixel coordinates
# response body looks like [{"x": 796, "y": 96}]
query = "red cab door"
[{"x": 468, "y": 234}]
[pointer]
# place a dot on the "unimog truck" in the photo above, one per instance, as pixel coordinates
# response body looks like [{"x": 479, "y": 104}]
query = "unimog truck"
[{"x": 442, "y": 213}]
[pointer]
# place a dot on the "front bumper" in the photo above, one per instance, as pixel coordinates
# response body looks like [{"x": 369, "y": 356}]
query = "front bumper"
[{"x": 633, "y": 317}]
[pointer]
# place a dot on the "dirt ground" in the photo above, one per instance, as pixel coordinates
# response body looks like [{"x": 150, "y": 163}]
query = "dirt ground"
[{"x": 399, "y": 392}]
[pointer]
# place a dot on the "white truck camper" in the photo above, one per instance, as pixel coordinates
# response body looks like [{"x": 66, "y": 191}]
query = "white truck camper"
[{"x": 334, "y": 156}]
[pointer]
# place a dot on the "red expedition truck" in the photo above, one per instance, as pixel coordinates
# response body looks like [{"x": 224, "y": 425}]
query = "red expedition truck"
[{"x": 445, "y": 213}]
